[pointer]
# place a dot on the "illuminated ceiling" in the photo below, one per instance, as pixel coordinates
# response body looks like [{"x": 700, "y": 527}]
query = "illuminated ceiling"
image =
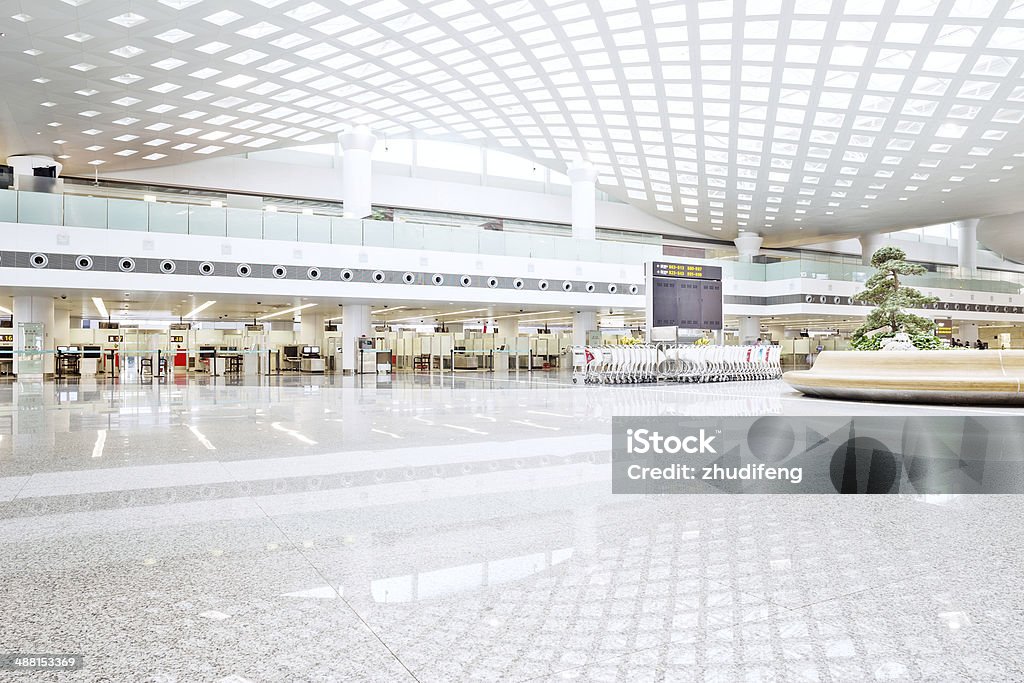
[{"x": 792, "y": 118}]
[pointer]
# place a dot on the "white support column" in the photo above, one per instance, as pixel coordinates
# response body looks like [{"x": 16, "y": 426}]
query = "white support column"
[
  {"x": 967, "y": 247},
  {"x": 869, "y": 244},
  {"x": 748, "y": 244},
  {"x": 750, "y": 329},
  {"x": 33, "y": 309},
  {"x": 311, "y": 329},
  {"x": 61, "y": 327},
  {"x": 967, "y": 332},
  {"x": 356, "y": 171},
  {"x": 355, "y": 323},
  {"x": 583, "y": 177},
  {"x": 583, "y": 322}
]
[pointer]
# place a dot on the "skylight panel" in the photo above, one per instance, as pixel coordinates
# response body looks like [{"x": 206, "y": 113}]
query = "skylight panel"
[
  {"x": 127, "y": 51},
  {"x": 173, "y": 36},
  {"x": 848, "y": 55},
  {"x": 259, "y": 30},
  {"x": 950, "y": 130},
  {"x": 855, "y": 31},
  {"x": 306, "y": 12},
  {"x": 906, "y": 32},
  {"x": 1007, "y": 38},
  {"x": 247, "y": 57},
  {"x": 169, "y": 64},
  {"x": 978, "y": 90},
  {"x": 223, "y": 18},
  {"x": 213, "y": 48},
  {"x": 807, "y": 30}
]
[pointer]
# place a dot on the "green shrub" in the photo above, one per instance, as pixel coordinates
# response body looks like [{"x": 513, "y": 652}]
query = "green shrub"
[{"x": 922, "y": 342}]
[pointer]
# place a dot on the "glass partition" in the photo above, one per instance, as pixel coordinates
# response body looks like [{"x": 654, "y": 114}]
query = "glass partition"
[
  {"x": 8, "y": 206},
  {"x": 127, "y": 214},
  {"x": 85, "y": 212},
  {"x": 40, "y": 207}
]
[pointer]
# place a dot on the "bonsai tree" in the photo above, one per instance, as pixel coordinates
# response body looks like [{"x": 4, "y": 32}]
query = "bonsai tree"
[{"x": 890, "y": 297}]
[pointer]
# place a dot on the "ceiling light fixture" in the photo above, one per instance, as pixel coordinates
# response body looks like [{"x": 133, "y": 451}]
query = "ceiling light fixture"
[
  {"x": 287, "y": 310},
  {"x": 199, "y": 309},
  {"x": 100, "y": 306}
]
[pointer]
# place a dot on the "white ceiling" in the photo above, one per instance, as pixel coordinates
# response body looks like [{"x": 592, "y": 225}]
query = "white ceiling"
[{"x": 792, "y": 118}]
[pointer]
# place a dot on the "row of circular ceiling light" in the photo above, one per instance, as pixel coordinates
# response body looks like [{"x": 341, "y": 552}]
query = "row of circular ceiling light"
[{"x": 127, "y": 265}]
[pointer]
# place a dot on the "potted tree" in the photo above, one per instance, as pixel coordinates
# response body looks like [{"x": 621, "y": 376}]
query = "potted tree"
[{"x": 890, "y": 298}]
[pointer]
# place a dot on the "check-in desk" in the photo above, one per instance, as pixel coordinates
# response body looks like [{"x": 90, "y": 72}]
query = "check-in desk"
[{"x": 463, "y": 360}]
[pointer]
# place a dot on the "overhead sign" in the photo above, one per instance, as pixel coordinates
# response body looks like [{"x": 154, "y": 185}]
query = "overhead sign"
[
  {"x": 181, "y": 326},
  {"x": 687, "y": 271},
  {"x": 944, "y": 328},
  {"x": 684, "y": 295}
]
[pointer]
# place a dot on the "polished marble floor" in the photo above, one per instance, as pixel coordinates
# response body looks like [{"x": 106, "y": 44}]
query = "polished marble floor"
[{"x": 440, "y": 528}]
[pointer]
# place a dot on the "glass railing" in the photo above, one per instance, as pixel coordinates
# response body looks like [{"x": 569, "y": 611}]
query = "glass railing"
[
  {"x": 189, "y": 219},
  {"x": 853, "y": 271}
]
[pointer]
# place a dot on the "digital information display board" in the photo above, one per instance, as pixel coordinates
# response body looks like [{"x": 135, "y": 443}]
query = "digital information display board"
[
  {"x": 686, "y": 271},
  {"x": 684, "y": 295}
]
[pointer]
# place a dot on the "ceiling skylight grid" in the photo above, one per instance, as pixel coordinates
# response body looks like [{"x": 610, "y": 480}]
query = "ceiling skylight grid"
[{"x": 711, "y": 106}]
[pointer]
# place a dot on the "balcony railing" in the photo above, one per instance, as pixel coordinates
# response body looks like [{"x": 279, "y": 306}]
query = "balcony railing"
[{"x": 137, "y": 215}]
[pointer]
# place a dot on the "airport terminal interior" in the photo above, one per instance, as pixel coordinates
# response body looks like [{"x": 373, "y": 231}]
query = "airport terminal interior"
[{"x": 319, "y": 323}]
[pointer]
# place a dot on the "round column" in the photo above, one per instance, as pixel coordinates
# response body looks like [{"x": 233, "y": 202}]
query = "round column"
[
  {"x": 583, "y": 322},
  {"x": 61, "y": 327},
  {"x": 311, "y": 329},
  {"x": 750, "y": 329},
  {"x": 967, "y": 247},
  {"x": 967, "y": 332},
  {"x": 29, "y": 310},
  {"x": 356, "y": 169},
  {"x": 869, "y": 244},
  {"x": 583, "y": 177},
  {"x": 355, "y": 324},
  {"x": 748, "y": 244}
]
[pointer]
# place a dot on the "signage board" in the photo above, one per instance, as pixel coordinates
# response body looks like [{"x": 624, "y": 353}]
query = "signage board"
[
  {"x": 686, "y": 271},
  {"x": 684, "y": 295}
]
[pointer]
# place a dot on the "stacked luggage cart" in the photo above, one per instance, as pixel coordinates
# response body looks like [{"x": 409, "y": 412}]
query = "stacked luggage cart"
[{"x": 642, "y": 364}]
